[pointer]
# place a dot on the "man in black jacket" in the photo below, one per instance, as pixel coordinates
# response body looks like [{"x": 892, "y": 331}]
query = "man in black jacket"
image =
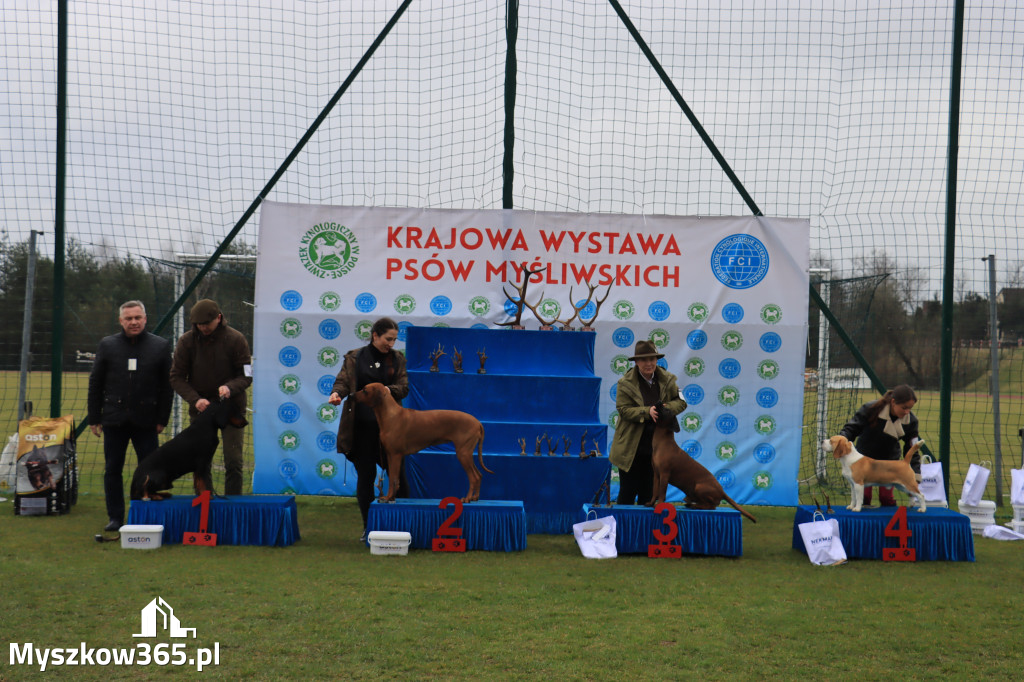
[{"x": 129, "y": 399}]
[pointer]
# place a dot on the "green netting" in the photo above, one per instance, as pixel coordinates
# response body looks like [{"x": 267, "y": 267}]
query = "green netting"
[{"x": 838, "y": 112}]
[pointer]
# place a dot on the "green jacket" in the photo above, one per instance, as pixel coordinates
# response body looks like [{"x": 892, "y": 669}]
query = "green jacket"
[{"x": 633, "y": 413}]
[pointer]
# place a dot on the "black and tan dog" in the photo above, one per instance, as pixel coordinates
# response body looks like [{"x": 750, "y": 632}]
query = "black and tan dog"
[{"x": 190, "y": 452}]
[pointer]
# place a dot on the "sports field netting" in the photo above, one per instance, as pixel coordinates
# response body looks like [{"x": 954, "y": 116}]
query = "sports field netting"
[{"x": 178, "y": 115}]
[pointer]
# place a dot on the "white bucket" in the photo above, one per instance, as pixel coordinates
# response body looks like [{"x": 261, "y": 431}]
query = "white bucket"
[
  {"x": 141, "y": 537},
  {"x": 389, "y": 542}
]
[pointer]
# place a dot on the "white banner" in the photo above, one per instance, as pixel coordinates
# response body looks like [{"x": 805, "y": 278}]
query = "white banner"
[{"x": 724, "y": 298}]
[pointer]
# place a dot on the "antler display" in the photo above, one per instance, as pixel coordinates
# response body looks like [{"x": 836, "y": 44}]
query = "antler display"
[
  {"x": 567, "y": 324},
  {"x": 521, "y": 303},
  {"x": 587, "y": 323}
]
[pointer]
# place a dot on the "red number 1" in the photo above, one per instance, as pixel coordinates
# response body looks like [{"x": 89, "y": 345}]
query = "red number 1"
[{"x": 202, "y": 500}]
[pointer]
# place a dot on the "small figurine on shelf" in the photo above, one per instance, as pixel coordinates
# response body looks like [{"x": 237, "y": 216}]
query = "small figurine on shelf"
[
  {"x": 551, "y": 444},
  {"x": 565, "y": 442},
  {"x": 536, "y": 450},
  {"x": 457, "y": 360},
  {"x": 482, "y": 353},
  {"x": 583, "y": 444},
  {"x": 596, "y": 452},
  {"x": 522, "y": 445},
  {"x": 435, "y": 355}
]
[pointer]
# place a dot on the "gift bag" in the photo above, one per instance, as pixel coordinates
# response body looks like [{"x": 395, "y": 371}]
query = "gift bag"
[
  {"x": 1017, "y": 487},
  {"x": 974, "y": 484},
  {"x": 932, "y": 483},
  {"x": 821, "y": 540},
  {"x": 596, "y": 537}
]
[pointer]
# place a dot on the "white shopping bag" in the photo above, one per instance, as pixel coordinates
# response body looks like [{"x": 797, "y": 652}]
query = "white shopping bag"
[
  {"x": 8, "y": 467},
  {"x": 974, "y": 484},
  {"x": 822, "y": 542},
  {"x": 932, "y": 483},
  {"x": 596, "y": 537},
  {"x": 1017, "y": 486}
]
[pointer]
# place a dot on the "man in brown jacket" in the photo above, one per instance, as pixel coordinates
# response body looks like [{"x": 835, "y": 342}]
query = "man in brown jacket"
[{"x": 212, "y": 362}]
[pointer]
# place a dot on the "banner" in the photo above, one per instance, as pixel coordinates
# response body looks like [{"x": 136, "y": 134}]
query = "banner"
[{"x": 725, "y": 299}]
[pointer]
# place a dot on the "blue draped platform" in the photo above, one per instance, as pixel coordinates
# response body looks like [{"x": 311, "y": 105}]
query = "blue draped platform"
[
  {"x": 488, "y": 525},
  {"x": 271, "y": 520},
  {"x": 551, "y": 488},
  {"x": 937, "y": 535},
  {"x": 716, "y": 532}
]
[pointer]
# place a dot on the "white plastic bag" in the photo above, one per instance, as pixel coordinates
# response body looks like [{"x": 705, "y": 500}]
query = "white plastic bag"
[
  {"x": 596, "y": 537},
  {"x": 8, "y": 469},
  {"x": 932, "y": 483},
  {"x": 1017, "y": 486},
  {"x": 822, "y": 542},
  {"x": 974, "y": 484}
]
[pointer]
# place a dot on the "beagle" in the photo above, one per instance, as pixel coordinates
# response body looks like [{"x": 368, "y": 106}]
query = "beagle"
[{"x": 861, "y": 471}]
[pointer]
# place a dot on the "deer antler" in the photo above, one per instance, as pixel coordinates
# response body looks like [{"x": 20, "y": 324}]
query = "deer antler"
[
  {"x": 533, "y": 307},
  {"x": 599, "y": 302},
  {"x": 576, "y": 310},
  {"x": 521, "y": 303}
]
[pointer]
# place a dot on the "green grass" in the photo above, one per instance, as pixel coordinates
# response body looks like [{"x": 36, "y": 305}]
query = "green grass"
[{"x": 325, "y": 608}]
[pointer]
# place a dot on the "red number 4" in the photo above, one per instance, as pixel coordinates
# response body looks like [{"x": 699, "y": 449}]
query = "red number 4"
[{"x": 898, "y": 528}]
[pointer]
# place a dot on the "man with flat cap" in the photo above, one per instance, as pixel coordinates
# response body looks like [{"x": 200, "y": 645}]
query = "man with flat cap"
[
  {"x": 212, "y": 362},
  {"x": 645, "y": 394}
]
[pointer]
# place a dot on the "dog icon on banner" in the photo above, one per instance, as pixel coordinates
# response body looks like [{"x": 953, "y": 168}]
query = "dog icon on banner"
[{"x": 159, "y": 610}]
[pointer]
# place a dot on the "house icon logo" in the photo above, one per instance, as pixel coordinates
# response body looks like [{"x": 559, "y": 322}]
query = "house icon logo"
[{"x": 158, "y": 615}]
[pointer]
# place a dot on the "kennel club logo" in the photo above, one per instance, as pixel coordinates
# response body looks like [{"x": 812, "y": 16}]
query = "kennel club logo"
[
  {"x": 739, "y": 261},
  {"x": 329, "y": 250}
]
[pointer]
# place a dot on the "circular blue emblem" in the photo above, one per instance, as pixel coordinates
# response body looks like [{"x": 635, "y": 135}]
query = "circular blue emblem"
[
  {"x": 726, "y": 478},
  {"x": 692, "y": 448},
  {"x": 403, "y": 327},
  {"x": 289, "y": 356},
  {"x": 440, "y": 305},
  {"x": 732, "y": 313},
  {"x": 324, "y": 384},
  {"x": 693, "y": 394},
  {"x": 727, "y": 423},
  {"x": 287, "y": 468},
  {"x": 663, "y": 363},
  {"x": 288, "y": 413},
  {"x": 659, "y": 311},
  {"x": 697, "y": 339},
  {"x": 510, "y": 308},
  {"x": 329, "y": 329},
  {"x": 770, "y": 342},
  {"x": 614, "y": 391},
  {"x": 365, "y": 302},
  {"x": 291, "y": 300},
  {"x": 767, "y": 397},
  {"x": 739, "y": 261},
  {"x": 623, "y": 337},
  {"x": 729, "y": 368},
  {"x": 588, "y": 310},
  {"x": 326, "y": 441},
  {"x": 479, "y": 325},
  {"x": 764, "y": 452}
]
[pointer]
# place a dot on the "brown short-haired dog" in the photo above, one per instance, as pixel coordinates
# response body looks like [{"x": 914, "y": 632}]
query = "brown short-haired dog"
[{"x": 862, "y": 471}]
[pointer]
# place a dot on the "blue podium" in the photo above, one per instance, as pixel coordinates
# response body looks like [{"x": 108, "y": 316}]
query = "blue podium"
[
  {"x": 488, "y": 525},
  {"x": 717, "y": 532},
  {"x": 937, "y": 535},
  {"x": 269, "y": 520}
]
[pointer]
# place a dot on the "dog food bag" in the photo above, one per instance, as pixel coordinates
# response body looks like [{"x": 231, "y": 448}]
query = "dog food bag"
[{"x": 46, "y": 478}]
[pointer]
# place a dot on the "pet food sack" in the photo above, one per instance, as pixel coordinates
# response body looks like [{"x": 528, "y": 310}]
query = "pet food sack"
[
  {"x": 46, "y": 478},
  {"x": 822, "y": 542},
  {"x": 596, "y": 538},
  {"x": 1017, "y": 487},
  {"x": 974, "y": 484},
  {"x": 932, "y": 483}
]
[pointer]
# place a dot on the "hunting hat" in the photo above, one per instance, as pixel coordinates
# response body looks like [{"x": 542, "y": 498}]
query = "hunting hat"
[
  {"x": 646, "y": 349},
  {"x": 204, "y": 311}
]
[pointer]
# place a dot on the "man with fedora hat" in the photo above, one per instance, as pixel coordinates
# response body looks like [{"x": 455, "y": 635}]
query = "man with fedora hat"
[
  {"x": 644, "y": 395},
  {"x": 212, "y": 362}
]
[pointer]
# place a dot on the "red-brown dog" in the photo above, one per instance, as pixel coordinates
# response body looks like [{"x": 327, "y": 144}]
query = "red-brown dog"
[
  {"x": 674, "y": 465},
  {"x": 861, "y": 471},
  {"x": 404, "y": 431}
]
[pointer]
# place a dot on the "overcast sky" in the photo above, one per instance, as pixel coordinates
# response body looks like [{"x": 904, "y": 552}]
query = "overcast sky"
[{"x": 835, "y": 112}]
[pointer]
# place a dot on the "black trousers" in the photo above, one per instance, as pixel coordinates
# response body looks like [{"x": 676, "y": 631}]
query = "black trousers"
[
  {"x": 636, "y": 486},
  {"x": 115, "y": 446},
  {"x": 366, "y": 455}
]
